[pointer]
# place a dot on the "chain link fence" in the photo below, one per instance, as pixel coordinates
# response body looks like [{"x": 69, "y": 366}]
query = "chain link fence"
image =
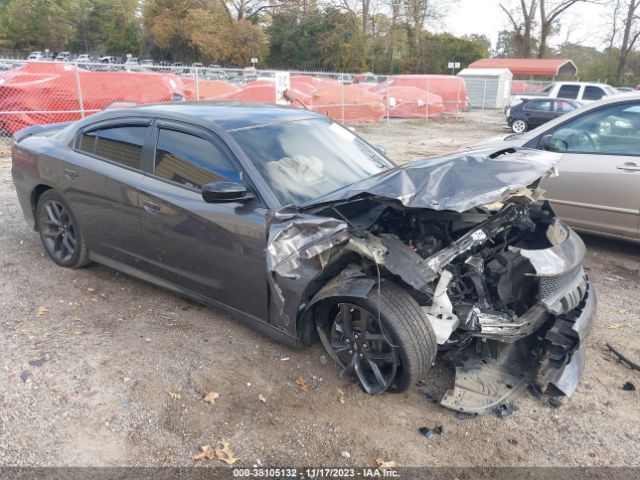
[{"x": 42, "y": 92}]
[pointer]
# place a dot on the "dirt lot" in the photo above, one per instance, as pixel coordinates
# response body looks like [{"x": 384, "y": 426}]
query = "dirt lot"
[{"x": 87, "y": 382}]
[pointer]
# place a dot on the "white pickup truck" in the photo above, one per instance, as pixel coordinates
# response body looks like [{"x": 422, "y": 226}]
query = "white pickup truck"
[{"x": 582, "y": 92}]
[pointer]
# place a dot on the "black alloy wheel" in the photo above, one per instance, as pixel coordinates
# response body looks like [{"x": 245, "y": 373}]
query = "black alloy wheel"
[
  {"x": 362, "y": 349},
  {"x": 59, "y": 231},
  {"x": 383, "y": 340}
]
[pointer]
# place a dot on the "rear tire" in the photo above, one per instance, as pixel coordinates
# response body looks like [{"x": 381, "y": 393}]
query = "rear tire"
[
  {"x": 403, "y": 349},
  {"x": 519, "y": 126},
  {"x": 59, "y": 231}
]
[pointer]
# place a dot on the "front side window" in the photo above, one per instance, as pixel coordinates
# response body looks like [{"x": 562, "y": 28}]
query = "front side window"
[
  {"x": 122, "y": 145},
  {"x": 569, "y": 91},
  {"x": 303, "y": 160},
  {"x": 610, "y": 130},
  {"x": 192, "y": 161}
]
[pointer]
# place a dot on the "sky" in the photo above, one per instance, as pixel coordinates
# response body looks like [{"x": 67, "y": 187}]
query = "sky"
[{"x": 582, "y": 23}]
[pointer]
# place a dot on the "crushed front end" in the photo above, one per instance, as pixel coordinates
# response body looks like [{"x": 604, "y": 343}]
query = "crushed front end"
[
  {"x": 497, "y": 275},
  {"x": 505, "y": 293}
]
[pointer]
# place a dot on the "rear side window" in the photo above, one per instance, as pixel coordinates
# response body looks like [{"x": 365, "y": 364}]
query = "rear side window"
[
  {"x": 192, "y": 161},
  {"x": 122, "y": 145},
  {"x": 569, "y": 91},
  {"x": 564, "y": 106},
  {"x": 593, "y": 93},
  {"x": 538, "y": 106}
]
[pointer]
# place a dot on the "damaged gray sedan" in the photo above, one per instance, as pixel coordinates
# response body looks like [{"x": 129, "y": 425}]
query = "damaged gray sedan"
[{"x": 300, "y": 228}]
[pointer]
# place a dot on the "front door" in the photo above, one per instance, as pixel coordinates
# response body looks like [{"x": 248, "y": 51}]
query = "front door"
[
  {"x": 214, "y": 249},
  {"x": 598, "y": 187}
]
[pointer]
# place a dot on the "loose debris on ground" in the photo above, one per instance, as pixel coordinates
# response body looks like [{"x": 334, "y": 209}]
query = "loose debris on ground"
[
  {"x": 223, "y": 453},
  {"x": 211, "y": 397},
  {"x": 623, "y": 358}
]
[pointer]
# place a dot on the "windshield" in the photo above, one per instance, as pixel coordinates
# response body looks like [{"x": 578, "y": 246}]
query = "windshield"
[{"x": 306, "y": 159}]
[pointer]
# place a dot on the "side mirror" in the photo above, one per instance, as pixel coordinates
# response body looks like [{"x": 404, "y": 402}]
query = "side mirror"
[
  {"x": 220, "y": 192},
  {"x": 551, "y": 144}
]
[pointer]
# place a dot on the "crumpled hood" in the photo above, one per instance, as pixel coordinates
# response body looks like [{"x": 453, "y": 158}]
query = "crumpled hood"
[{"x": 455, "y": 182}]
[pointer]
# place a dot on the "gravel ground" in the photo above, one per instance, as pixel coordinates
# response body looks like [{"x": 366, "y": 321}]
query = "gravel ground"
[{"x": 87, "y": 381}]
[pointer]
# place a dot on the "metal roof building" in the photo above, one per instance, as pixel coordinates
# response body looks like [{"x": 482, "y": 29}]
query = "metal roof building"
[
  {"x": 487, "y": 87},
  {"x": 531, "y": 67}
]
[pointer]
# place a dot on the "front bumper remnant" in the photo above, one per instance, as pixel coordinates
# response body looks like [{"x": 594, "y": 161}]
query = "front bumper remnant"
[
  {"x": 482, "y": 383},
  {"x": 544, "y": 344}
]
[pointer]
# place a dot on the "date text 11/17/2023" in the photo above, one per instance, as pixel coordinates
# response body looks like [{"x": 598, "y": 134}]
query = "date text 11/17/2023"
[{"x": 315, "y": 472}]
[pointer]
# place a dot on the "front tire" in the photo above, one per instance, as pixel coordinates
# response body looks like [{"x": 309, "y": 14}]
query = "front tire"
[
  {"x": 391, "y": 354},
  {"x": 60, "y": 232},
  {"x": 519, "y": 126}
]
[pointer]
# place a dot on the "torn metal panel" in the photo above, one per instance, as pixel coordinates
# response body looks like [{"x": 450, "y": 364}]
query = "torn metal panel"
[
  {"x": 456, "y": 182},
  {"x": 566, "y": 350},
  {"x": 297, "y": 252},
  {"x": 302, "y": 238},
  {"x": 563, "y": 257}
]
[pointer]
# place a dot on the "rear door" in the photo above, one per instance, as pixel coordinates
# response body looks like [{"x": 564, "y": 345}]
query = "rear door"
[
  {"x": 598, "y": 187},
  {"x": 101, "y": 182},
  {"x": 215, "y": 250}
]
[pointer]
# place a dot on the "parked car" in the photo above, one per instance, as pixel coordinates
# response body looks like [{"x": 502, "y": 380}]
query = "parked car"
[
  {"x": 597, "y": 189},
  {"x": 63, "y": 56},
  {"x": 533, "y": 113},
  {"x": 85, "y": 57},
  {"x": 300, "y": 228},
  {"x": 146, "y": 62},
  {"x": 345, "y": 79},
  {"x": 239, "y": 80},
  {"x": 34, "y": 56},
  {"x": 582, "y": 92},
  {"x": 624, "y": 89}
]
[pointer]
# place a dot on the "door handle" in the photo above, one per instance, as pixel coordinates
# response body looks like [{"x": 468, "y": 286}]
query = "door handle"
[
  {"x": 71, "y": 174},
  {"x": 631, "y": 166},
  {"x": 151, "y": 207}
]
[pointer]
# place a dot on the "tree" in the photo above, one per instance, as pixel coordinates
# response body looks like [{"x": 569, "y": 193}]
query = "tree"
[
  {"x": 38, "y": 23},
  {"x": 522, "y": 19},
  {"x": 199, "y": 29},
  {"x": 630, "y": 34},
  {"x": 417, "y": 13},
  {"x": 550, "y": 13}
]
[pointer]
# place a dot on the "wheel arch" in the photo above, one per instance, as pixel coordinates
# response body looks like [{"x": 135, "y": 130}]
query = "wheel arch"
[
  {"x": 36, "y": 193},
  {"x": 349, "y": 283}
]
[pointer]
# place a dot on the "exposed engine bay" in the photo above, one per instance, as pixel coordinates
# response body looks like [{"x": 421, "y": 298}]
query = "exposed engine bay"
[{"x": 501, "y": 284}]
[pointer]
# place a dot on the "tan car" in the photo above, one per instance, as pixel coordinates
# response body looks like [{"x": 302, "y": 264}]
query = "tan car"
[{"x": 598, "y": 189}]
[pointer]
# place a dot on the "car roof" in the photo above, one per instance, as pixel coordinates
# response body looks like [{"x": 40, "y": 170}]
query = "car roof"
[
  {"x": 589, "y": 84},
  {"x": 227, "y": 115}
]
